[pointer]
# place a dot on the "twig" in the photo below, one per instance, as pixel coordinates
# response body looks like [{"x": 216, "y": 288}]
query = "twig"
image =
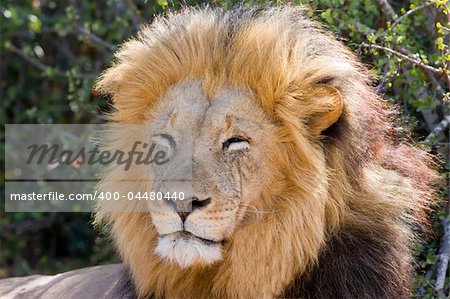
[
  {"x": 409, "y": 12},
  {"x": 428, "y": 276},
  {"x": 95, "y": 39},
  {"x": 383, "y": 79},
  {"x": 419, "y": 63},
  {"x": 386, "y": 9},
  {"x": 444, "y": 124},
  {"x": 34, "y": 61},
  {"x": 444, "y": 257},
  {"x": 136, "y": 18},
  {"x": 44, "y": 67}
]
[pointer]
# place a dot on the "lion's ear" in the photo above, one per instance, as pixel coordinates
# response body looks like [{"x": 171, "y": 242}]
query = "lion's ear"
[{"x": 328, "y": 106}]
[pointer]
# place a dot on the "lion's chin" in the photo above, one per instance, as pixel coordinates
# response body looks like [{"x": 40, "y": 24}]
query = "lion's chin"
[{"x": 187, "y": 250}]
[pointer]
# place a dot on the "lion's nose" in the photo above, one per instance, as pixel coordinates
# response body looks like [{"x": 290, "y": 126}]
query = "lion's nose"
[
  {"x": 183, "y": 215},
  {"x": 187, "y": 206}
]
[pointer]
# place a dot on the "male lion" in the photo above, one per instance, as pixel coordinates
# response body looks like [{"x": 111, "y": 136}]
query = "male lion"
[{"x": 298, "y": 188}]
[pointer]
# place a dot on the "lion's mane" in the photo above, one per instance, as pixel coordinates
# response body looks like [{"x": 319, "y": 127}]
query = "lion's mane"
[{"x": 354, "y": 243}]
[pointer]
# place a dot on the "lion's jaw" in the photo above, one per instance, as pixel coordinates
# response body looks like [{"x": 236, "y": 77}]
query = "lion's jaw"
[
  {"x": 186, "y": 250},
  {"x": 217, "y": 160}
]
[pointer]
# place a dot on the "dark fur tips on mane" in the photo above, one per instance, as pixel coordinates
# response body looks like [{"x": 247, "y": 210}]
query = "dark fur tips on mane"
[{"x": 355, "y": 264}]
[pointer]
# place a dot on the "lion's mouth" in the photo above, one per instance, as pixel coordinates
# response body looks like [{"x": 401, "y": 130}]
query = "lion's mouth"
[
  {"x": 186, "y": 249},
  {"x": 189, "y": 236}
]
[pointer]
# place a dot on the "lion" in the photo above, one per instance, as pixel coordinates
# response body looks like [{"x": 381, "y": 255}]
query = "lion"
[{"x": 298, "y": 185}]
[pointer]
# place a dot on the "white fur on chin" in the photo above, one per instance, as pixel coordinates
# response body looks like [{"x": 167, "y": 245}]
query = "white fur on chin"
[{"x": 187, "y": 251}]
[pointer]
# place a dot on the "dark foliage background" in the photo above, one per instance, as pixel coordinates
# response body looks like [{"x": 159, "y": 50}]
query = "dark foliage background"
[{"x": 52, "y": 51}]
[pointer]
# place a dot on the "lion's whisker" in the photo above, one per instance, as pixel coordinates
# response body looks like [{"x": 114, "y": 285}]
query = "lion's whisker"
[{"x": 256, "y": 210}]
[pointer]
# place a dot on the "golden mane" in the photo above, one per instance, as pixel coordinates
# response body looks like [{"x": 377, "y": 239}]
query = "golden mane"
[{"x": 373, "y": 185}]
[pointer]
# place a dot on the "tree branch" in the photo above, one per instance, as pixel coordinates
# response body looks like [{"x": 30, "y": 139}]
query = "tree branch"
[
  {"x": 444, "y": 257},
  {"x": 43, "y": 67},
  {"x": 386, "y": 9},
  {"x": 444, "y": 124},
  {"x": 94, "y": 38},
  {"x": 389, "y": 12},
  {"x": 383, "y": 79},
  {"x": 419, "y": 63},
  {"x": 136, "y": 18},
  {"x": 409, "y": 12}
]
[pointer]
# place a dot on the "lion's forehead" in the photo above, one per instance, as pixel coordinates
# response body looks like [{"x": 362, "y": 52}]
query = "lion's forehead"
[{"x": 186, "y": 109}]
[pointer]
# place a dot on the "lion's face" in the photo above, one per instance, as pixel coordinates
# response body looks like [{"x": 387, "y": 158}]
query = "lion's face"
[{"x": 217, "y": 157}]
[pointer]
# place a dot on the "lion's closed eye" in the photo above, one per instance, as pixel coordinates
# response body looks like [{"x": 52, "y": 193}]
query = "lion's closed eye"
[
  {"x": 235, "y": 144},
  {"x": 165, "y": 142}
]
